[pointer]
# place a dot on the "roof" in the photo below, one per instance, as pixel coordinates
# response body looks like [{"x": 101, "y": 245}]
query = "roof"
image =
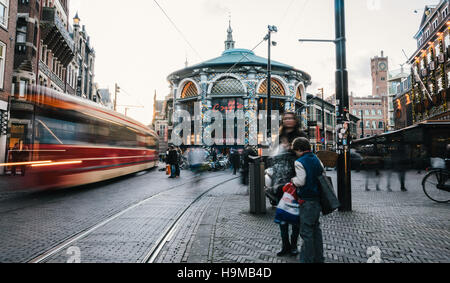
[{"x": 243, "y": 57}]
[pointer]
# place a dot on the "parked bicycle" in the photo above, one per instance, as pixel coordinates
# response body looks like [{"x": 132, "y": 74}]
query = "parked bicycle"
[{"x": 436, "y": 184}]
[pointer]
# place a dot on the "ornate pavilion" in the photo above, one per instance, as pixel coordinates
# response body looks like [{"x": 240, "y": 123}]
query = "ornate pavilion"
[{"x": 237, "y": 80}]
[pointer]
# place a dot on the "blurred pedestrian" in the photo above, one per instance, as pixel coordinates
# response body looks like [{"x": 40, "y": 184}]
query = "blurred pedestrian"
[
  {"x": 177, "y": 164},
  {"x": 399, "y": 165},
  {"x": 196, "y": 158},
  {"x": 308, "y": 168},
  {"x": 235, "y": 160},
  {"x": 172, "y": 158},
  {"x": 283, "y": 170},
  {"x": 372, "y": 164}
]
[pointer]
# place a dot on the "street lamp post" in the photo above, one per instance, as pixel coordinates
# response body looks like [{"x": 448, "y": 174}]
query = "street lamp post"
[
  {"x": 269, "y": 81},
  {"x": 343, "y": 166},
  {"x": 362, "y": 123}
]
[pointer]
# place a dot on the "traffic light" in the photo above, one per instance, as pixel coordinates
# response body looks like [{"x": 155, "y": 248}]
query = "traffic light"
[
  {"x": 3, "y": 123},
  {"x": 117, "y": 88}
]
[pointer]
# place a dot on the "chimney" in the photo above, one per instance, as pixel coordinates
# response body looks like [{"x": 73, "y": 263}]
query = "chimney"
[{"x": 382, "y": 53}]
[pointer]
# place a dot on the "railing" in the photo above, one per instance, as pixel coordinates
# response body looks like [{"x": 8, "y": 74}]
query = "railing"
[
  {"x": 46, "y": 70},
  {"x": 49, "y": 15}
]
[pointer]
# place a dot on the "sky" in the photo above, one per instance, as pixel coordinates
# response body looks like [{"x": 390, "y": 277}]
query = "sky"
[{"x": 137, "y": 47}]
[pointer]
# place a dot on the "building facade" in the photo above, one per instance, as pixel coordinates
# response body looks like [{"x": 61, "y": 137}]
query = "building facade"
[
  {"x": 81, "y": 71},
  {"x": 397, "y": 83},
  {"x": 370, "y": 112},
  {"x": 431, "y": 66},
  {"x": 237, "y": 80},
  {"x": 8, "y": 15}
]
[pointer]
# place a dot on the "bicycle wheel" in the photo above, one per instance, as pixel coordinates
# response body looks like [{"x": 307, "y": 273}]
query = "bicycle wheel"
[{"x": 430, "y": 183}]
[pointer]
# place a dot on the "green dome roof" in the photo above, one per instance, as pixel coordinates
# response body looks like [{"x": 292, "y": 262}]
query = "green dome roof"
[{"x": 241, "y": 57}]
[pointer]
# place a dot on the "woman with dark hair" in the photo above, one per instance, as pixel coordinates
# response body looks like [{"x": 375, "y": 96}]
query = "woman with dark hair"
[
  {"x": 290, "y": 129},
  {"x": 283, "y": 170}
]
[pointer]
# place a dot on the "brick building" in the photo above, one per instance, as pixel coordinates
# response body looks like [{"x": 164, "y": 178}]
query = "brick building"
[
  {"x": 373, "y": 111},
  {"x": 8, "y": 14}
]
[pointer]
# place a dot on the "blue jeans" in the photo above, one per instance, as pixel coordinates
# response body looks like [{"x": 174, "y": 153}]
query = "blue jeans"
[{"x": 312, "y": 247}]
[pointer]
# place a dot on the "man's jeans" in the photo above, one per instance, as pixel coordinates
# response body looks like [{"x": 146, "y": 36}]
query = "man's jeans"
[{"x": 312, "y": 247}]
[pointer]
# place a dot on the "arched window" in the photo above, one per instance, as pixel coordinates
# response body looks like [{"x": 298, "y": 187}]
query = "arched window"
[
  {"x": 228, "y": 86},
  {"x": 276, "y": 88},
  {"x": 189, "y": 90},
  {"x": 300, "y": 91}
]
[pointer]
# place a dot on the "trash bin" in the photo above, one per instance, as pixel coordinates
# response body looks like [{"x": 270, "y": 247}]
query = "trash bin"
[{"x": 257, "y": 196}]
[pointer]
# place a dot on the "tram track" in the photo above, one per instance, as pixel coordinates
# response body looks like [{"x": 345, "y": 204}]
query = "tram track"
[
  {"x": 84, "y": 233},
  {"x": 168, "y": 233}
]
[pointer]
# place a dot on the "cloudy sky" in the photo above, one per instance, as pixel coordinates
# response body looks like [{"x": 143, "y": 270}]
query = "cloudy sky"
[{"x": 137, "y": 46}]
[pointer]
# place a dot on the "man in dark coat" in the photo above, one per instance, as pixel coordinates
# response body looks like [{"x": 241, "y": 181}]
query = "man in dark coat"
[
  {"x": 235, "y": 161},
  {"x": 172, "y": 159}
]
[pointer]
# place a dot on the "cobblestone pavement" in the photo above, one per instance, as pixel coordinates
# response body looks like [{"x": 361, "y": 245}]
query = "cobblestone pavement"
[
  {"x": 31, "y": 223},
  {"x": 216, "y": 228},
  {"x": 403, "y": 226}
]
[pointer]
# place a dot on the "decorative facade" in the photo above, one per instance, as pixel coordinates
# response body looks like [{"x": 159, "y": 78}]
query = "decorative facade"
[
  {"x": 237, "y": 80},
  {"x": 431, "y": 66}
]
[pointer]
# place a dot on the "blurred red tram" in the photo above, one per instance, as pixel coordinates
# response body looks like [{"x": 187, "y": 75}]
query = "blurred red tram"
[{"x": 57, "y": 140}]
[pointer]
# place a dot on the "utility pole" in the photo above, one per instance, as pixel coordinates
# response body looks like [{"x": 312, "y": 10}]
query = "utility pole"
[
  {"x": 269, "y": 81},
  {"x": 324, "y": 126},
  {"x": 342, "y": 99},
  {"x": 116, "y": 91},
  {"x": 344, "y": 173},
  {"x": 362, "y": 123}
]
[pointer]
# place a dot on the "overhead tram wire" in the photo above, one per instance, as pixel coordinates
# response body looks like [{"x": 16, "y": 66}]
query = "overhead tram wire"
[
  {"x": 179, "y": 31},
  {"x": 228, "y": 72}
]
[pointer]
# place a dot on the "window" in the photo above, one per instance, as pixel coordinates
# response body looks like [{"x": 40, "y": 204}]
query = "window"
[
  {"x": 228, "y": 86},
  {"x": 445, "y": 12},
  {"x": 2, "y": 63},
  {"x": 275, "y": 86},
  {"x": 374, "y": 112},
  {"x": 380, "y": 113},
  {"x": 189, "y": 90},
  {"x": 4, "y": 12},
  {"x": 374, "y": 125},
  {"x": 435, "y": 23},
  {"x": 367, "y": 113},
  {"x": 21, "y": 32},
  {"x": 380, "y": 125},
  {"x": 383, "y": 78}
]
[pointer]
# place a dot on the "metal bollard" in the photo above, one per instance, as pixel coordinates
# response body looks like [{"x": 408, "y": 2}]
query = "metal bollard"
[{"x": 257, "y": 195}]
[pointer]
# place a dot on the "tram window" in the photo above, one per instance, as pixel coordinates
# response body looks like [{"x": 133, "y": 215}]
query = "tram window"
[{"x": 53, "y": 131}]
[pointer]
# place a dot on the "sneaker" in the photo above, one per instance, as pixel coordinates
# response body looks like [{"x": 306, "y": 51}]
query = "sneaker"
[
  {"x": 389, "y": 189},
  {"x": 283, "y": 252},
  {"x": 378, "y": 188},
  {"x": 367, "y": 190},
  {"x": 404, "y": 190}
]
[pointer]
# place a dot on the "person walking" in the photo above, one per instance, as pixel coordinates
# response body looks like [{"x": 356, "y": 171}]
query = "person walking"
[
  {"x": 372, "y": 164},
  {"x": 283, "y": 170},
  {"x": 178, "y": 162},
  {"x": 235, "y": 160},
  {"x": 399, "y": 164},
  {"x": 172, "y": 160},
  {"x": 308, "y": 168}
]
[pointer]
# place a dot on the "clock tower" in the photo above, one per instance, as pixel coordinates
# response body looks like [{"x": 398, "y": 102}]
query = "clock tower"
[{"x": 380, "y": 70}]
